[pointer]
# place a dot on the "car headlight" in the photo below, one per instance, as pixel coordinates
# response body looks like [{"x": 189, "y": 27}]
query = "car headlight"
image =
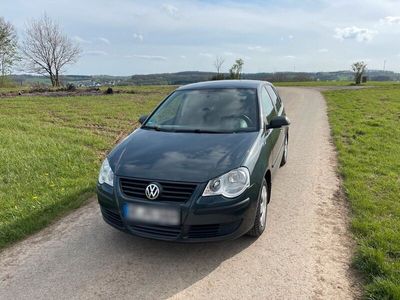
[
  {"x": 106, "y": 175},
  {"x": 229, "y": 185}
]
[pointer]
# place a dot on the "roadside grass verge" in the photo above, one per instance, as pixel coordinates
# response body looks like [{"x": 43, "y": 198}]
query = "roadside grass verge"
[
  {"x": 338, "y": 83},
  {"x": 51, "y": 149},
  {"x": 143, "y": 89},
  {"x": 366, "y": 130}
]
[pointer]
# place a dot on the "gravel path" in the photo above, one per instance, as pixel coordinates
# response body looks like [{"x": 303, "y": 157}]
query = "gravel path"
[{"x": 304, "y": 253}]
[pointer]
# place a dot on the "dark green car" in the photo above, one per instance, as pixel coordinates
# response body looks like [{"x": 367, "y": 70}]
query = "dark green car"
[{"x": 200, "y": 167}]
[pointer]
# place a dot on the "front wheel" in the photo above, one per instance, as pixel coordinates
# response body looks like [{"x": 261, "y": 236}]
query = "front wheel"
[{"x": 261, "y": 215}]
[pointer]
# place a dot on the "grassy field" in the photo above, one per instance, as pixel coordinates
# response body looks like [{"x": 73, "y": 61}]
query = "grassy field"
[
  {"x": 129, "y": 89},
  {"x": 366, "y": 130},
  {"x": 336, "y": 83},
  {"x": 51, "y": 149},
  {"x": 132, "y": 89}
]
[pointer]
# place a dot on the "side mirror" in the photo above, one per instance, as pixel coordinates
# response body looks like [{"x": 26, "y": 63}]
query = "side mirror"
[
  {"x": 142, "y": 119},
  {"x": 278, "y": 122}
]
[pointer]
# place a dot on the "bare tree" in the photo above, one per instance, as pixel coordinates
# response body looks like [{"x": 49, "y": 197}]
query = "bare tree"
[
  {"x": 8, "y": 47},
  {"x": 218, "y": 62},
  {"x": 236, "y": 70},
  {"x": 358, "y": 69},
  {"x": 47, "y": 50}
]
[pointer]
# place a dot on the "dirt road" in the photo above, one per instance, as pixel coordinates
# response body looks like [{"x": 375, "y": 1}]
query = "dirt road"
[{"x": 304, "y": 253}]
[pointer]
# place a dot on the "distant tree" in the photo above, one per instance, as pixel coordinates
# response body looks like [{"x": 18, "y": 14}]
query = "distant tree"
[
  {"x": 47, "y": 50},
  {"x": 218, "y": 62},
  {"x": 236, "y": 70},
  {"x": 358, "y": 69},
  {"x": 8, "y": 48}
]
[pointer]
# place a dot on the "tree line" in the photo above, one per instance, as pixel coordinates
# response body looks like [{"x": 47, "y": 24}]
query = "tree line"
[
  {"x": 45, "y": 49},
  {"x": 235, "y": 72}
]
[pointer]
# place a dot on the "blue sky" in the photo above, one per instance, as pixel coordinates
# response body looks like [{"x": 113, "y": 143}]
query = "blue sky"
[{"x": 127, "y": 37}]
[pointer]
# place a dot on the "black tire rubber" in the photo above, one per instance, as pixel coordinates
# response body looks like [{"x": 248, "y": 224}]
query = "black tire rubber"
[
  {"x": 284, "y": 159},
  {"x": 257, "y": 228}
]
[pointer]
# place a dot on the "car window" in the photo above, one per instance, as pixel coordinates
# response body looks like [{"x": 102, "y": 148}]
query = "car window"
[
  {"x": 169, "y": 111},
  {"x": 267, "y": 106},
  {"x": 274, "y": 97},
  {"x": 278, "y": 99},
  {"x": 219, "y": 110}
]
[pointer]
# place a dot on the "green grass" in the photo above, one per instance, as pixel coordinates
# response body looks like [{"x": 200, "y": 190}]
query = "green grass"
[
  {"x": 337, "y": 83},
  {"x": 366, "y": 130},
  {"x": 129, "y": 89},
  {"x": 144, "y": 89},
  {"x": 11, "y": 89},
  {"x": 313, "y": 83},
  {"x": 51, "y": 149}
]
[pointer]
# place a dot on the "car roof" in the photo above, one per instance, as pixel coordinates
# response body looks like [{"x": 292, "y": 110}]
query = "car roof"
[{"x": 224, "y": 84}]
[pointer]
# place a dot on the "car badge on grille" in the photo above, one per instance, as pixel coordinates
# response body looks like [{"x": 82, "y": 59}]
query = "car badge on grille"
[{"x": 152, "y": 191}]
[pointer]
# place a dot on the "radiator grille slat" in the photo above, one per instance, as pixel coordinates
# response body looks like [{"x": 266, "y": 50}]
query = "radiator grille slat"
[{"x": 165, "y": 231}]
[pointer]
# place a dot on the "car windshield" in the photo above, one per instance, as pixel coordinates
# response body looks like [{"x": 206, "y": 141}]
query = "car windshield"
[{"x": 207, "y": 110}]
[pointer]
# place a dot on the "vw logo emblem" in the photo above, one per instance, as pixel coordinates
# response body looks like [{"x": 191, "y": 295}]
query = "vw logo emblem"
[{"x": 152, "y": 191}]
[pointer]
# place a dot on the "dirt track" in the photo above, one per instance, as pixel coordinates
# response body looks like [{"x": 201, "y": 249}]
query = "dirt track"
[{"x": 304, "y": 253}]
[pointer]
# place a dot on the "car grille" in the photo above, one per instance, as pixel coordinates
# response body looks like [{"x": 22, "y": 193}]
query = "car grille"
[
  {"x": 114, "y": 218},
  {"x": 211, "y": 230},
  {"x": 171, "y": 191},
  {"x": 193, "y": 231},
  {"x": 164, "y": 231},
  {"x": 203, "y": 231}
]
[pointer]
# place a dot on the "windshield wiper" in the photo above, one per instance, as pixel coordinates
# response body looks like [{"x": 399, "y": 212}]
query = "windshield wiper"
[
  {"x": 198, "y": 130},
  {"x": 208, "y": 131},
  {"x": 157, "y": 128}
]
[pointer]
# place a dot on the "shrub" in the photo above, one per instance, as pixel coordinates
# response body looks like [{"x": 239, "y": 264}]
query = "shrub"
[
  {"x": 71, "y": 87},
  {"x": 109, "y": 91}
]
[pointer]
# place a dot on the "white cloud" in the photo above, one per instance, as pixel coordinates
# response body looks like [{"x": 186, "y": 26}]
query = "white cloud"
[
  {"x": 148, "y": 57},
  {"x": 189, "y": 27},
  {"x": 81, "y": 40},
  {"x": 183, "y": 56},
  {"x": 257, "y": 48},
  {"x": 323, "y": 50},
  {"x": 104, "y": 40},
  {"x": 95, "y": 53},
  {"x": 289, "y": 37},
  {"x": 391, "y": 20},
  {"x": 205, "y": 54},
  {"x": 170, "y": 9},
  {"x": 290, "y": 56},
  {"x": 138, "y": 36},
  {"x": 355, "y": 33}
]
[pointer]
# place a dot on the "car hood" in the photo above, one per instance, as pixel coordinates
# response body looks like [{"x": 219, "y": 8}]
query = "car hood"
[{"x": 178, "y": 156}]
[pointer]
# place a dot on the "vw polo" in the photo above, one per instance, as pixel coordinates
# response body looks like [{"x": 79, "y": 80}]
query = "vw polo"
[{"x": 200, "y": 167}]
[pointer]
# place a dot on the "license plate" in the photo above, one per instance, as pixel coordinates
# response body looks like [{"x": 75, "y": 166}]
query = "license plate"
[{"x": 138, "y": 213}]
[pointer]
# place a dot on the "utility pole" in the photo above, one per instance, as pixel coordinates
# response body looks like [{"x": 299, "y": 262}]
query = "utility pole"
[{"x": 384, "y": 65}]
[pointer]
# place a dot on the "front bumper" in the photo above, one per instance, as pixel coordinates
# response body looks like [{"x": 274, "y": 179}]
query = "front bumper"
[{"x": 203, "y": 218}]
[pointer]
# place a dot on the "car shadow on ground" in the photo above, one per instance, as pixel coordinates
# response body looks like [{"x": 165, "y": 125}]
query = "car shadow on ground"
[{"x": 155, "y": 269}]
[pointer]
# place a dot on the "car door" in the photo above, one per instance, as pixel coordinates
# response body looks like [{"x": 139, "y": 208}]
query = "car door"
[
  {"x": 276, "y": 100},
  {"x": 271, "y": 136}
]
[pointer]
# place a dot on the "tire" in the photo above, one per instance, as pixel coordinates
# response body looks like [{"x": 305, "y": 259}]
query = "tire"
[
  {"x": 285, "y": 151},
  {"x": 260, "y": 221}
]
